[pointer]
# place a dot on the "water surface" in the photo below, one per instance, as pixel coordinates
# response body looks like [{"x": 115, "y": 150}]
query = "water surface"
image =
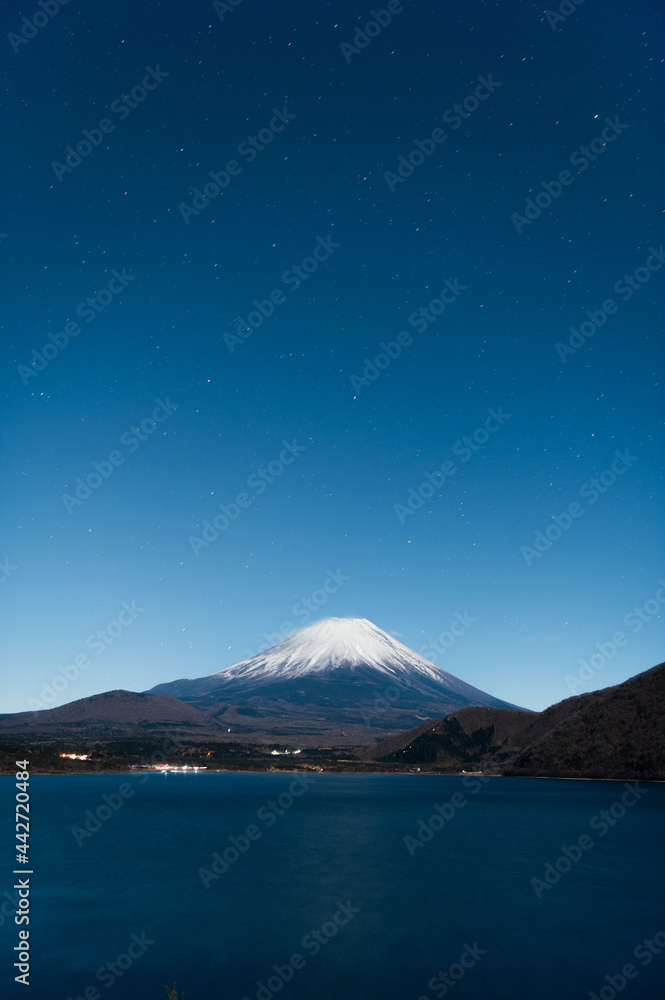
[{"x": 333, "y": 860}]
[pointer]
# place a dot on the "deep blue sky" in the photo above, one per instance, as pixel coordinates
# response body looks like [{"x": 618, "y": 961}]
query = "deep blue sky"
[{"x": 162, "y": 337}]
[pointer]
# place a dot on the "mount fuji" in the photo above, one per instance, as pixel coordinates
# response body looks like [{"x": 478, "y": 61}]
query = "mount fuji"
[{"x": 341, "y": 680}]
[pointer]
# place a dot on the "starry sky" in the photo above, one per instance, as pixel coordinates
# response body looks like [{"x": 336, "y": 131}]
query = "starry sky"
[{"x": 400, "y": 360}]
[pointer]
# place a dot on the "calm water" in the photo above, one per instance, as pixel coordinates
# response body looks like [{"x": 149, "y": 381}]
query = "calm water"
[{"x": 405, "y": 917}]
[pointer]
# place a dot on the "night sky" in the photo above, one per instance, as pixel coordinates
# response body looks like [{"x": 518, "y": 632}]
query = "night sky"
[{"x": 446, "y": 227}]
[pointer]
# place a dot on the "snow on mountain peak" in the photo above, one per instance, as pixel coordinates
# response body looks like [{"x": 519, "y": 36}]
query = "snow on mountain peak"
[{"x": 332, "y": 643}]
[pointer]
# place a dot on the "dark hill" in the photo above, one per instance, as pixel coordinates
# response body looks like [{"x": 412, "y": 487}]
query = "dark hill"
[
  {"x": 618, "y": 732},
  {"x": 113, "y": 715}
]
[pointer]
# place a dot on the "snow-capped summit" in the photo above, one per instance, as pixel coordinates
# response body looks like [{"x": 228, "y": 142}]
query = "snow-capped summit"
[{"x": 332, "y": 644}]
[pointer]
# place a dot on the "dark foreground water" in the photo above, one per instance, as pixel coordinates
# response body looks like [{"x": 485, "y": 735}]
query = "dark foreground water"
[{"x": 326, "y": 889}]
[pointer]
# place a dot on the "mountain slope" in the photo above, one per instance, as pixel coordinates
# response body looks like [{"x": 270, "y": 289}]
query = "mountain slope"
[
  {"x": 617, "y": 732},
  {"x": 340, "y": 678},
  {"x": 112, "y": 715}
]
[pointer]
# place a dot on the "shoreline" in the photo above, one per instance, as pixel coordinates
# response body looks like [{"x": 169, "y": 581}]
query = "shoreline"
[{"x": 402, "y": 774}]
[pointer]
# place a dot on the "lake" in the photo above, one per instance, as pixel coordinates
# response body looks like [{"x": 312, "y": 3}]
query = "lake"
[{"x": 347, "y": 886}]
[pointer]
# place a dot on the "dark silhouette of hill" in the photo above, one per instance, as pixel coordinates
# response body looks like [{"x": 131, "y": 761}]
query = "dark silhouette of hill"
[
  {"x": 618, "y": 732},
  {"x": 113, "y": 715}
]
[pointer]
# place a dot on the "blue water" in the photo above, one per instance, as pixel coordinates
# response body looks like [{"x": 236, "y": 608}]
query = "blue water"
[{"x": 403, "y": 918}]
